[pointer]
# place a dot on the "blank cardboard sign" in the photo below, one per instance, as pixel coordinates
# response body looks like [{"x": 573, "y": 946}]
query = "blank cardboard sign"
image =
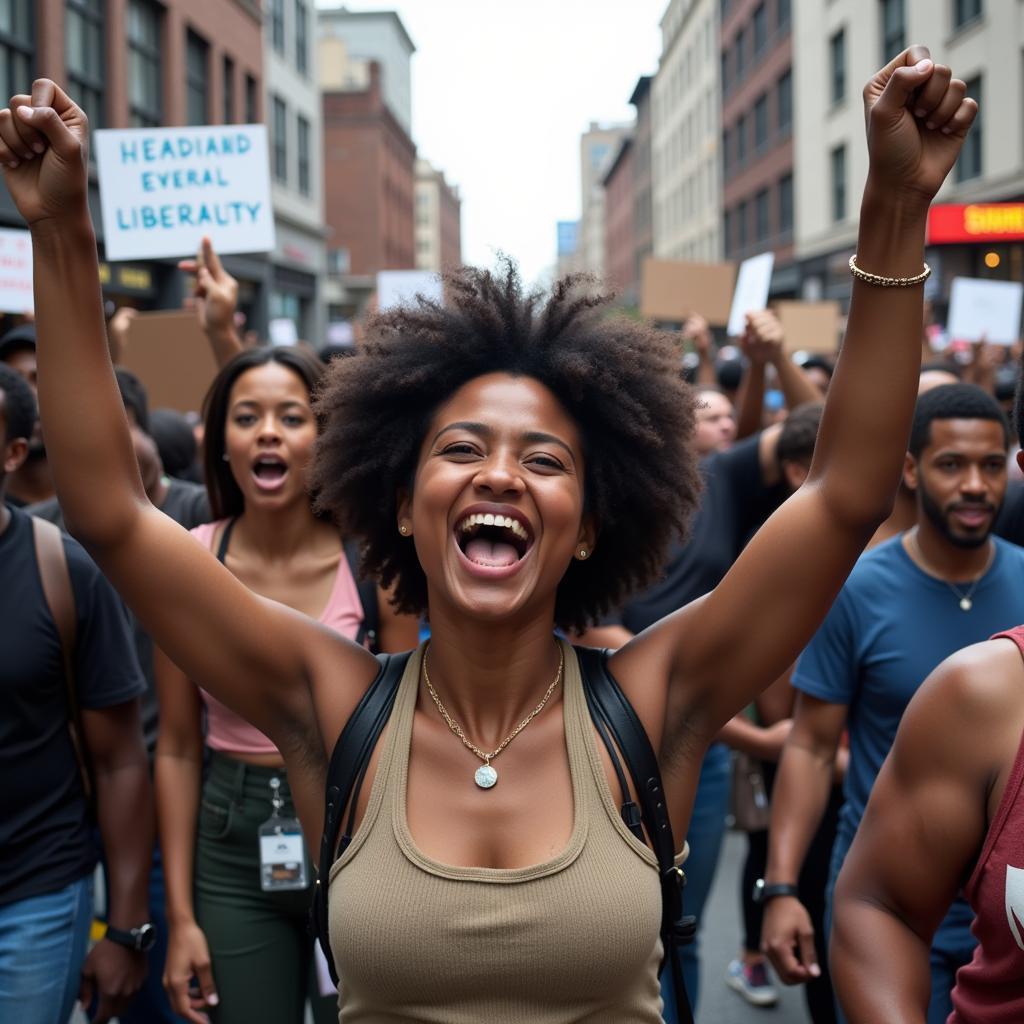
[
  {"x": 672, "y": 290},
  {"x": 171, "y": 356},
  {"x": 810, "y": 326}
]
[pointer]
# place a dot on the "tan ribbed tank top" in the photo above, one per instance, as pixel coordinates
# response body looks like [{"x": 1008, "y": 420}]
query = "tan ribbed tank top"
[{"x": 575, "y": 938}]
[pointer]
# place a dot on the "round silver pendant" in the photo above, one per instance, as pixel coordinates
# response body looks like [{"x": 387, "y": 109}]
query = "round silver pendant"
[
  {"x": 485, "y": 776},
  {"x": 966, "y": 604}
]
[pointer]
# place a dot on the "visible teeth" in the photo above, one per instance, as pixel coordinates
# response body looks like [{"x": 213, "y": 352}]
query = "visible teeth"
[{"x": 489, "y": 519}]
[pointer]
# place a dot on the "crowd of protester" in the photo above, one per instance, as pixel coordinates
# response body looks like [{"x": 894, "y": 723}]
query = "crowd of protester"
[{"x": 780, "y": 673}]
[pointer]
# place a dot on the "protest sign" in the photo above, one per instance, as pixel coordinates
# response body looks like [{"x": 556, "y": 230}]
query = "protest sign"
[
  {"x": 810, "y": 326},
  {"x": 171, "y": 356},
  {"x": 400, "y": 287},
  {"x": 283, "y": 332},
  {"x": 984, "y": 309},
  {"x": 672, "y": 290},
  {"x": 753, "y": 283},
  {"x": 163, "y": 189},
  {"x": 15, "y": 271}
]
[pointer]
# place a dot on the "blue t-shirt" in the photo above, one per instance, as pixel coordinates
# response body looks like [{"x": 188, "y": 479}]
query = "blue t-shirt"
[{"x": 890, "y": 626}]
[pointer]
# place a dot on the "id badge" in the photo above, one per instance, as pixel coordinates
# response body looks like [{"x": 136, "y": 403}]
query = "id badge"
[{"x": 282, "y": 855}]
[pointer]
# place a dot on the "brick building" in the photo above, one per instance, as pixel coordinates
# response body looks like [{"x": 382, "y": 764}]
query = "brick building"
[
  {"x": 643, "y": 195},
  {"x": 757, "y": 134},
  {"x": 137, "y": 64},
  {"x": 438, "y": 220},
  {"x": 619, "y": 244}
]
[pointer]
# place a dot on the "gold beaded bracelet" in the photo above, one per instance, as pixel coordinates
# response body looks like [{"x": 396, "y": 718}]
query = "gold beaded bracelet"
[{"x": 888, "y": 282}]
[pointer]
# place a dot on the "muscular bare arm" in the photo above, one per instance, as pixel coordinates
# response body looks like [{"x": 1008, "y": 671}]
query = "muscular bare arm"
[{"x": 923, "y": 829}]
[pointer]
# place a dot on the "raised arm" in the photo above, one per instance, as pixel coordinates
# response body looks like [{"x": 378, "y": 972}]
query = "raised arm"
[
  {"x": 923, "y": 829},
  {"x": 720, "y": 651},
  {"x": 215, "y": 302},
  {"x": 253, "y": 654}
]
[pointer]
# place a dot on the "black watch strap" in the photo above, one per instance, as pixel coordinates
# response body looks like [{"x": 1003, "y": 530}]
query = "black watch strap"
[
  {"x": 765, "y": 891},
  {"x": 139, "y": 939}
]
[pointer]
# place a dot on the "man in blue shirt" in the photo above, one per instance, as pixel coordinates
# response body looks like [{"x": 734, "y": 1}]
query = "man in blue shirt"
[{"x": 908, "y": 604}]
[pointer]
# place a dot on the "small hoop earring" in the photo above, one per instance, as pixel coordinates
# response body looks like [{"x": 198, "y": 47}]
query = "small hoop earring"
[
  {"x": 583, "y": 554},
  {"x": 404, "y": 530}
]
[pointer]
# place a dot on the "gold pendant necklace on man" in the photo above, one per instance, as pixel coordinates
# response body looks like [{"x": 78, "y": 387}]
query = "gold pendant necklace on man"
[{"x": 486, "y": 776}]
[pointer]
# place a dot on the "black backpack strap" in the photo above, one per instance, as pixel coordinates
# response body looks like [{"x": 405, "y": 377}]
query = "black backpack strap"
[
  {"x": 345, "y": 775},
  {"x": 613, "y": 714},
  {"x": 369, "y": 629}
]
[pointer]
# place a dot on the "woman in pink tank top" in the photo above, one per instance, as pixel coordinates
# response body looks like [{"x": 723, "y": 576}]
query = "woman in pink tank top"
[
  {"x": 947, "y": 812},
  {"x": 234, "y": 927}
]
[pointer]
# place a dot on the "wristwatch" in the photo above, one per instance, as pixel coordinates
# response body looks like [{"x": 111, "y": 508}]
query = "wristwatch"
[
  {"x": 765, "y": 891},
  {"x": 141, "y": 939}
]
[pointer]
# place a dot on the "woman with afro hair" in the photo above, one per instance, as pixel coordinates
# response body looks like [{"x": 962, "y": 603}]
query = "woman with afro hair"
[{"x": 512, "y": 466}]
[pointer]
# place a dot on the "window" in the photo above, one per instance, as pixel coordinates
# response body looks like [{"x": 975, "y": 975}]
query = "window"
[
  {"x": 741, "y": 139},
  {"x": 725, "y": 72},
  {"x": 786, "y": 204},
  {"x": 727, "y": 230},
  {"x": 965, "y": 11},
  {"x": 761, "y": 121},
  {"x": 784, "y": 101},
  {"x": 280, "y": 139},
  {"x": 726, "y": 151},
  {"x": 145, "y": 91},
  {"x": 741, "y": 53},
  {"x": 839, "y": 183},
  {"x": 228, "y": 112},
  {"x": 760, "y": 28},
  {"x": 741, "y": 217},
  {"x": 83, "y": 55},
  {"x": 197, "y": 75},
  {"x": 305, "y": 137},
  {"x": 302, "y": 36},
  {"x": 763, "y": 215},
  {"x": 970, "y": 163},
  {"x": 252, "y": 100},
  {"x": 894, "y": 29},
  {"x": 783, "y": 14},
  {"x": 837, "y": 62},
  {"x": 277, "y": 25},
  {"x": 17, "y": 44}
]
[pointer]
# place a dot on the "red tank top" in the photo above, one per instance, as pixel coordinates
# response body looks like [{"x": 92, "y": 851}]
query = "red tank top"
[{"x": 990, "y": 989}]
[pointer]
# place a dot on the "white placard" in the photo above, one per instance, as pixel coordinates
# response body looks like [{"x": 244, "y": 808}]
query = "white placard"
[
  {"x": 400, "y": 287},
  {"x": 984, "y": 309},
  {"x": 163, "y": 189},
  {"x": 753, "y": 283},
  {"x": 283, "y": 332},
  {"x": 15, "y": 271}
]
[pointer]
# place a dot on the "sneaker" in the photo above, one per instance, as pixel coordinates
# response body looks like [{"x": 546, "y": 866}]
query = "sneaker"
[{"x": 752, "y": 982}]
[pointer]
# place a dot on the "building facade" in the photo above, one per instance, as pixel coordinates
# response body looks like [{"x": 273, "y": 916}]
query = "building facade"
[
  {"x": 438, "y": 220},
  {"x": 598, "y": 146},
  {"x": 299, "y": 262},
  {"x": 756, "y": 70},
  {"x": 643, "y": 201},
  {"x": 138, "y": 64},
  {"x": 619, "y": 243},
  {"x": 840, "y": 45},
  {"x": 686, "y": 193}
]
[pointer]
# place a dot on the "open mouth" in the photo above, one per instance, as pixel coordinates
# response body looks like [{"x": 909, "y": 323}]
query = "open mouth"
[
  {"x": 493, "y": 541},
  {"x": 269, "y": 471}
]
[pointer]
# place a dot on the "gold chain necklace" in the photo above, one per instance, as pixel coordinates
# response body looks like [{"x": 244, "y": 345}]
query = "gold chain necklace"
[
  {"x": 966, "y": 597},
  {"x": 486, "y": 776}
]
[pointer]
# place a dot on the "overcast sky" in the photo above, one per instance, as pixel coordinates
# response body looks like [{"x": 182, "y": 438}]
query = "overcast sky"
[{"x": 501, "y": 93}]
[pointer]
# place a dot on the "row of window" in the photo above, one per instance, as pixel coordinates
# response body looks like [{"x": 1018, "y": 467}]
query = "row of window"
[
  {"x": 751, "y": 41},
  {"x": 755, "y": 128},
  {"x": 278, "y": 35},
  {"x": 750, "y": 221},
  {"x": 279, "y": 145}
]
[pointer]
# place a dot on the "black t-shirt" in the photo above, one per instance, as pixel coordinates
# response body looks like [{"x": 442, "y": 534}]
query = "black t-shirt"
[
  {"x": 46, "y": 838},
  {"x": 734, "y": 504},
  {"x": 187, "y": 504},
  {"x": 1010, "y": 521}
]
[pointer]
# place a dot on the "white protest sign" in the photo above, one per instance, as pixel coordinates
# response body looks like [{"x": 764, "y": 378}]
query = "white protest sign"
[
  {"x": 163, "y": 189},
  {"x": 283, "y": 332},
  {"x": 753, "y": 283},
  {"x": 15, "y": 271},
  {"x": 400, "y": 287},
  {"x": 984, "y": 309}
]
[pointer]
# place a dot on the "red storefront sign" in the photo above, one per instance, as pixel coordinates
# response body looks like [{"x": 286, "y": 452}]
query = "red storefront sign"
[{"x": 977, "y": 222}]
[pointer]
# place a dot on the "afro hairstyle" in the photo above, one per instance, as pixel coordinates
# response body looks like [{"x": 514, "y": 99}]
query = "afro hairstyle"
[
  {"x": 618, "y": 379},
  {"x": 17, "y": 403}
]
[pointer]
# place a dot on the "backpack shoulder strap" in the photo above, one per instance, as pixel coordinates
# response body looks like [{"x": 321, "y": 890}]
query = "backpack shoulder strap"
[
  {"x": 369, "y": 629},
  {"x": 611, "y": 709},
  {"x": 345, "y": 775},
  {"x": 60, "y": 598}
]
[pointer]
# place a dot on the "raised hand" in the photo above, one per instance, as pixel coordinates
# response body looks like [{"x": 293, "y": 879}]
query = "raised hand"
[
  {"x": 216, "y": 295},
  {"x": 917, "y": 118},
  {"x": 43, "y": 151},
  {"x": 762, "y": 338}
]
